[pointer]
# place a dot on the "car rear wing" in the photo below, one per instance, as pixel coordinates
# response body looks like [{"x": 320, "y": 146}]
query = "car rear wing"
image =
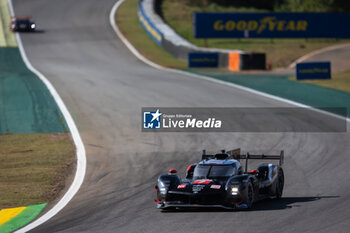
[
  {"x": 236, "y": 154},
  {"x": 249, "y": 156}
]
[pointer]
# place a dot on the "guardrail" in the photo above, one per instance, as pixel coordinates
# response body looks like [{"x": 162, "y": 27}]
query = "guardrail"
[
  {"x": 149, "y": 27},
  {"x": 166, "y": 37}
]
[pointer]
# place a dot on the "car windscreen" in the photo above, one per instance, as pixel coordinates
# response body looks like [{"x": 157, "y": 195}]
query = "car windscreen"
[
  {"x": 213, "y": 171},
  {"x": 23, "y": 21}
]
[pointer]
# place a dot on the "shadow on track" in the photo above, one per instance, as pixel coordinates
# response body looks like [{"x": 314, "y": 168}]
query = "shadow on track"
[
  {"x": 36, "y": 31},
  {"x": 268, "y": 204},
  {"x": 286, "y": 202}
]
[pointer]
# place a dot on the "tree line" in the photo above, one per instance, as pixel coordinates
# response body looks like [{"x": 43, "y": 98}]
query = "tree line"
[{"x": 281, "y": 5}]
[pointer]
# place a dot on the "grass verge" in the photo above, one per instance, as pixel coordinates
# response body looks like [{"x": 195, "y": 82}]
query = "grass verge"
[
  {"x": 280, "y": 52},
  {"x": 283, "y": 86},
  {"x": 129, "y": 25},
  {"x": 34, "y": 167}
]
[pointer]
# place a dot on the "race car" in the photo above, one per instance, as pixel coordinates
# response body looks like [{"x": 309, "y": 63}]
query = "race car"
[
  {"x": 22, "y": 24},
  {"x": 220, "y": 181}
]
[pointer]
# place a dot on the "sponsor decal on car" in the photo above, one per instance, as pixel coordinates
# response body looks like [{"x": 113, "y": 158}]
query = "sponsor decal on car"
[
  {"x": 215, "y": 186},
  {"x": 197, "y": 188},
  {"x": 202, "y": 181},
  {"x": 181, "y": 186}
]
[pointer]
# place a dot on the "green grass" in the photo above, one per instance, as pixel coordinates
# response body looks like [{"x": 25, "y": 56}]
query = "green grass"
[
  {"x": 339, "y": 81},
  {"x": 129, "y": 25},
  {"x": 34, "y": 167},
  {"x": 280, "y": 52}
]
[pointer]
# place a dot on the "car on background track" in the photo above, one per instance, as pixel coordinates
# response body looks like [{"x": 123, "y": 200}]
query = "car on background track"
[
  {"x": 220, "y": 181},
  {"x": 22, "y": 24}
]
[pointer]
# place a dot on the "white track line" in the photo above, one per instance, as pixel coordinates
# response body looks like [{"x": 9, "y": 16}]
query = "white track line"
[
  {"x": 150, "y": 63},
  {"x": 80, "y": 149}
]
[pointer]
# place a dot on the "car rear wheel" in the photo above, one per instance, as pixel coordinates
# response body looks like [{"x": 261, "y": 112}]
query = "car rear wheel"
[{"x": 280, "y": 184}]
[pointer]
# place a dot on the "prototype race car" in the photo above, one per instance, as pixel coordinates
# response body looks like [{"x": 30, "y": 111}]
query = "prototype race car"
[
  {"x": 22, "y": 24},
  {"x": 219, "y": 181}
]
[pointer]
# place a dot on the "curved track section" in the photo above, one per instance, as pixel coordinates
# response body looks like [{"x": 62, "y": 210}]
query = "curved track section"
[
  {"x": 104, "y": 87},
  {"x": 338, "y": 55}
]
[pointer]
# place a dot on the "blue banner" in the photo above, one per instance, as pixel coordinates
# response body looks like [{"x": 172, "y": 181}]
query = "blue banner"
[
  {"x": 271, "y": 25},
  {"x": 313, "y": 70},
  {"x": 203, "y": 59}
]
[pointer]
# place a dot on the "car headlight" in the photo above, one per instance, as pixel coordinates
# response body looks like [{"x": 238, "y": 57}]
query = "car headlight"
[
  {"x": 163, "y": 187},
  {"x": 32, "y": 26},
  {"x": 234, "y": 190}
]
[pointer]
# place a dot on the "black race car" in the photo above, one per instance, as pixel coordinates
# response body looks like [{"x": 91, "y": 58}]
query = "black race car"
[
  {"x": 22, "y": 24},
  {"x": 220, "y": 181}
]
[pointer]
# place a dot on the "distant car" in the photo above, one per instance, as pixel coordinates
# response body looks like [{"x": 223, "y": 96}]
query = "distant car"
[
  {"x": 220, "y": 181},
  {"x": 22, "y": 24}
]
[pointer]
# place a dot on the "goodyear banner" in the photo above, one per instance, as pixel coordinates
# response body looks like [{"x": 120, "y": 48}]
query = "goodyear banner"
[
  {"x": 203, "y": 59},
  {"x": 313, "y": 70},
  {"x": 271, "y": 25}
]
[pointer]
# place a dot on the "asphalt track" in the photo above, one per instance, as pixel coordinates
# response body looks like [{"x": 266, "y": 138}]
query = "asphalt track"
[
  {"x": 104, "y": 86},
  {"x": 338, "y": 55}
]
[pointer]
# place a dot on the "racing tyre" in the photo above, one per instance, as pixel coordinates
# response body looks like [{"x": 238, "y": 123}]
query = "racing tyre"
[
  {"x": 250, "y": 195},
  {"x": 280, "y": 184}
]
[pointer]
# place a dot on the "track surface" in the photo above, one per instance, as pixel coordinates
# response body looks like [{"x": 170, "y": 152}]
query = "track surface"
[
  {"x": 339, "y": 56},
  {"x": 104, "y": 87}
]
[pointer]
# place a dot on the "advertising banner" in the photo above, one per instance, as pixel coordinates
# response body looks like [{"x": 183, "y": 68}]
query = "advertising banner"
[
  {"x": 313, "y": 70},
  {"x": 203, "y": 59},
  {"x": 271, "y": 25}
]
